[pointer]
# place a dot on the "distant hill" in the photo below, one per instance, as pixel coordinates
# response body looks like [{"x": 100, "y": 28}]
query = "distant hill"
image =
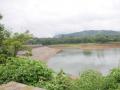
[
  {"x": 89, "y": 36},
  {"x": 90, "y": 33}
]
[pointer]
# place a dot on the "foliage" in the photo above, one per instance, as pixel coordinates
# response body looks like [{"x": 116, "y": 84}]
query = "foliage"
[
  {"x": 3, "y": 58},
  {"x": 0, "y": 16},
  {"x": 80, "y": 37},
  {"x": 112, "y": 81},
  {"x": 24, "y": 71},
  {"x": 61, "y": 82},
  {"x": 10, "y": 44},
  {"x": 30, "y": 72},
  {"x": 90, "y": 80},
  {"x": 3, "y": 34},
  {"x": 16, "y": 42}
]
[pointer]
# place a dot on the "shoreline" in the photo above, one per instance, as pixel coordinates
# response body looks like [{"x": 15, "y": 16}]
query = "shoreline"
[
  {"x": 88, "y": 46},
  {"x": 44, "y": 53}
]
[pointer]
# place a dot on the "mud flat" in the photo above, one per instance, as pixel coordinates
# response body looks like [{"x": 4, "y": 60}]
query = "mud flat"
[
  {"x": 44, "y": 53},
  {"x": 89, "y": 46}
]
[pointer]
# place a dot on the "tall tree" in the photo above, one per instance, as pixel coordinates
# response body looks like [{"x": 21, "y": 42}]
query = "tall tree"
[
  {"x": 17, "y": 42},
  {"x": 4, "y": 34},
  {"x": 0, "y": 16},
  {"x": 10, "y": 44}
]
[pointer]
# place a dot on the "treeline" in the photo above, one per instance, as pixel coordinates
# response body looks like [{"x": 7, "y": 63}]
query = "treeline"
[{"x": 75, "y": 40}]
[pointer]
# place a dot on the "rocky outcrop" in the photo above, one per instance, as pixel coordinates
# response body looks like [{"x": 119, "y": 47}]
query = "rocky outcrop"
[{"x": 17, "y": 86}]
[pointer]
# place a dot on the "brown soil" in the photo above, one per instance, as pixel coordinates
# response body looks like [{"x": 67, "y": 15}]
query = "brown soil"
[
  {"x": 17, "y": 86},
  {"x": 88, "y": 46},
  {"x": 44, "y": 53}
]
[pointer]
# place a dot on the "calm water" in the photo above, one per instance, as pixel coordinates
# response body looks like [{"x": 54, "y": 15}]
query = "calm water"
[{"x": 75, "y": 61}]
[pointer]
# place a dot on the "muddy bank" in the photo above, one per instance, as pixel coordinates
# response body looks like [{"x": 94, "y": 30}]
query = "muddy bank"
[
  {"x": 89, "y": 46},
  {"x": 44, "y": 53}
]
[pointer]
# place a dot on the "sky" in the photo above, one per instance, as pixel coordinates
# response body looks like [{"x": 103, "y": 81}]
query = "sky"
[{"x": 46, "y": 18}]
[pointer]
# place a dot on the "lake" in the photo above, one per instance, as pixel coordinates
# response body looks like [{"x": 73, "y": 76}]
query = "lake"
[{"x": 75, "y": 61}]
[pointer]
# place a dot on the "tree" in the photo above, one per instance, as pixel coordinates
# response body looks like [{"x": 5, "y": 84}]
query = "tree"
[
  {"x": 16, "y": 42},
  {"x": 0, "y": 16},
  {"x": 10, "y": 44},
  {"x": 4, "y": 34}
]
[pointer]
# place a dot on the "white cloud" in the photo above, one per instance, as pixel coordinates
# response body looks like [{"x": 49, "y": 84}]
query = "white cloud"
[{"x": 45, "y": 18}]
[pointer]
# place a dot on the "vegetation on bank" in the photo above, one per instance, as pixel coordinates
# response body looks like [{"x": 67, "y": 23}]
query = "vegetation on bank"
[
  {"x": 72, "y": 40},
  {"x": 36, "y": 73},
  {"x": 91, "y": 36}
]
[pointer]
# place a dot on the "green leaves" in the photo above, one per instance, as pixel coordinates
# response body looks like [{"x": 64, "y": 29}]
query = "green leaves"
[
  {"x": 0, "y": 16},
  {"x": 112, "y": 81},
  {"x": 90, "y": 80},
  {"x": 24, "y": 71},
  {"x": 30, "y": 72},
  {"x": 61, "y": 82},
  {"x": 16, "y": 42}
]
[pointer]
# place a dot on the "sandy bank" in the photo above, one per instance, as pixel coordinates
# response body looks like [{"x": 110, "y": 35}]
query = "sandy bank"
[
  {"x": 44, "y": 53},
  {"x": 89, "y": 46}
]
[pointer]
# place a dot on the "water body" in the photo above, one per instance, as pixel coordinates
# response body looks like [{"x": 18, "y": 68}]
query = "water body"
[{"x": 75, "y": 61}]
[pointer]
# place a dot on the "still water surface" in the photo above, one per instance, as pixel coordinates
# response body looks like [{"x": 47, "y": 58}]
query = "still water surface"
[{"x": 75, "y": 61}]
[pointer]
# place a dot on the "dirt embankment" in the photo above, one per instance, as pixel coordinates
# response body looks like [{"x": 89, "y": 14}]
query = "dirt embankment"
[
  {"x": 89, "y": 46},
  {"x": 44, "y": 53}
]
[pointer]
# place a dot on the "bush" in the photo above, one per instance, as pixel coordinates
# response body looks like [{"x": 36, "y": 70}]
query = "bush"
[
  {"x": 90, "y": 80},
  {"x": 24, "y": 71},
  {"x": 61, "y": 82},
  {"x": 36, "y": 73},
  {"x": 112, "y": 81},
  {"x": 3, "y": 59}
]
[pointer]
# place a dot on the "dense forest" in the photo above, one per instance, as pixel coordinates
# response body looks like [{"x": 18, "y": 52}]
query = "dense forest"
[{"x": 91, "y": 36}]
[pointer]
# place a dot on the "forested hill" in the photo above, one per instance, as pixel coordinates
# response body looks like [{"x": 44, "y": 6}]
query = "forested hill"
[
  {"x": 90, "y": 33},
  {"x": 91, "y": 36}
]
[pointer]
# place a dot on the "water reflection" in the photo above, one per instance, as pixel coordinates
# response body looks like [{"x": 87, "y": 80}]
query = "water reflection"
[
  {"x": 75, "y": 61},
  {"x": 87, "y": 52}
]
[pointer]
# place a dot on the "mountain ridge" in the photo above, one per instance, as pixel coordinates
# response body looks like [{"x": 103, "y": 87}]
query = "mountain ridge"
[{"x": 89, "y": 33}]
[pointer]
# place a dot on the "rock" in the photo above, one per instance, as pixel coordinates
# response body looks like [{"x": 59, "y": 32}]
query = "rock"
[{"x": 17, "y": 86}]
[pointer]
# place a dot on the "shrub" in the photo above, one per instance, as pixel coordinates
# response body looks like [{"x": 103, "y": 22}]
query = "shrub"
[
  {"x": 24, "y": 71},
  {"x": 90, "y": 80},
  {"x": 112, "y": 81},
  {"x": 3, "y": 58},
  {"x": 30, "y": 72},
  {"x": 61, "y": 82}
]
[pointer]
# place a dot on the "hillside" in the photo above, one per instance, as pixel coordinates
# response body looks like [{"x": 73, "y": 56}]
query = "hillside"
[
  {"x": 89, "y": 36},
  {"x": 90, "y": 33}
]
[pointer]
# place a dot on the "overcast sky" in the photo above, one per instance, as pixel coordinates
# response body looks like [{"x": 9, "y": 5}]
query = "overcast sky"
[{"x": 45, "y": 18}]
